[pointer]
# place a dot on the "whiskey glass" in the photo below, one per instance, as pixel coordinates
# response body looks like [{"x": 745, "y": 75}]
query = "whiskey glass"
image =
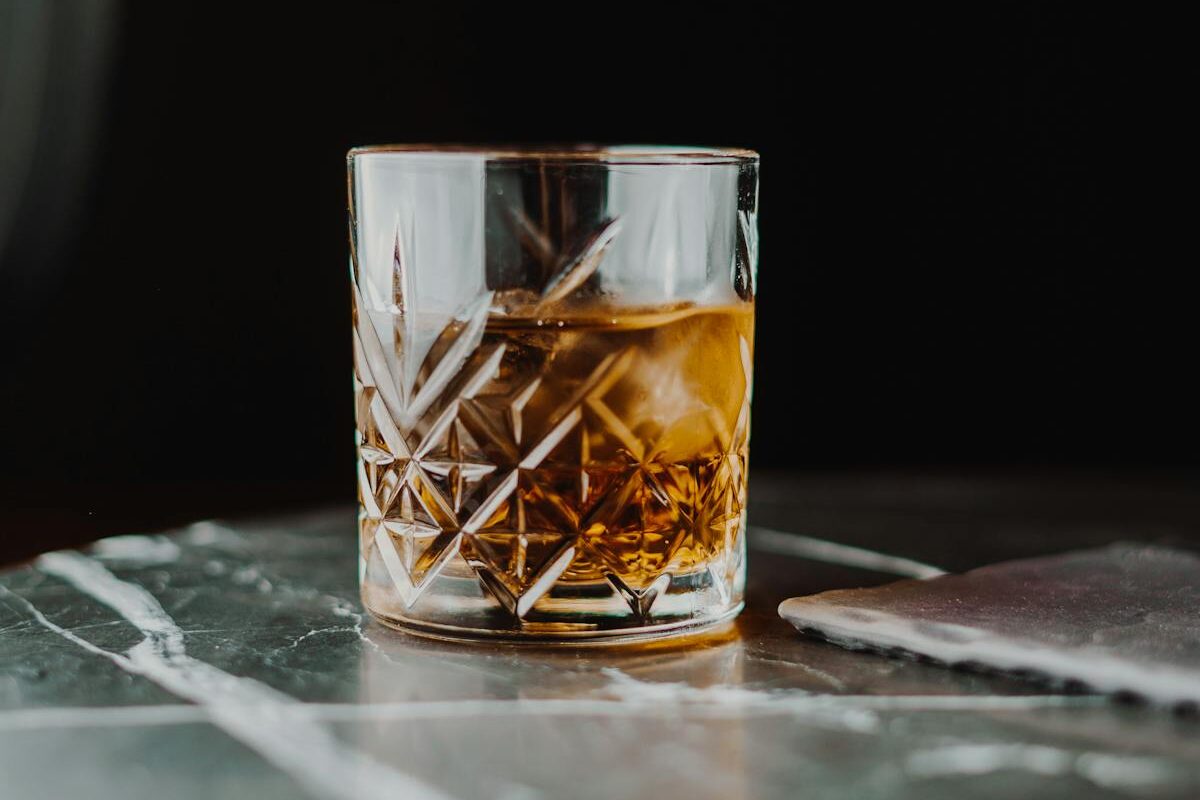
[{"x": 552, "y": 375}]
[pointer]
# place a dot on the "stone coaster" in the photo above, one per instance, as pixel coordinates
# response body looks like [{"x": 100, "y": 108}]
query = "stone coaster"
[{"x": 1118, "y": 619}]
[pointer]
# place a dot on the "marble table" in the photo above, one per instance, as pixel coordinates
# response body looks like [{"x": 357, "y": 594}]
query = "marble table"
[{"x": 232, "y": 659}]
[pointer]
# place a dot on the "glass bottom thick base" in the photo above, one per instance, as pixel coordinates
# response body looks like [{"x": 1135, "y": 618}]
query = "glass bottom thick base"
[
  {"x": 458, "y": 606},
  {"x": 550, "y": 634}
]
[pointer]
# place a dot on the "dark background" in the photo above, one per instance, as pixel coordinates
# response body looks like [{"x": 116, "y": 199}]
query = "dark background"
[{"x": 973, "y": 227}]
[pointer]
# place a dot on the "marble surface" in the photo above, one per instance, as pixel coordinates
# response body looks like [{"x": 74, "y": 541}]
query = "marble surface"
[
  {"x": 1121, "y": 619},
  {"x": 233, "y": 659}
]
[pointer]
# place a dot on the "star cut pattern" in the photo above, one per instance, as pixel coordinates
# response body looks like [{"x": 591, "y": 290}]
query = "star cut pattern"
[
  {"x": 419, "y": 467},
  {"x": 456, "y": 463}
]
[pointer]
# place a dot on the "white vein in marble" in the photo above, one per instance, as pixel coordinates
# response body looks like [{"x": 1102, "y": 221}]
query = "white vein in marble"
[
  {"x": 1103, "y": 770},
  {"x": 851, "y": 712},
  {"x": 801, "y": 546},
  {"x": 137, "y": 549},
  {"x": 246, "y": 709}
]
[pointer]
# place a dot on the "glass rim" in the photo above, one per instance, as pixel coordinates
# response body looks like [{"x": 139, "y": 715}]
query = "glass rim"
[{"x": 683, "y": 155}]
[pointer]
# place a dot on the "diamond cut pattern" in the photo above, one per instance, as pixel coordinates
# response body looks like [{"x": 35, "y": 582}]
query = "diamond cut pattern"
[
  {"x": 518, "y": 569},
  {"x": 414, "y": 554},
  {"x": 636, "y": 531},
  {"x": 468, "y": 460}
]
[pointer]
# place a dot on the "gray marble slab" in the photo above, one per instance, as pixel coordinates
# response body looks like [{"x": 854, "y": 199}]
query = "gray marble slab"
[
  {"x": 233, "y": 660},
  {"x": 1120, "y": 619}
]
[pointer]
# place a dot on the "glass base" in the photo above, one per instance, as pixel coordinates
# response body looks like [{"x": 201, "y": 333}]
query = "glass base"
[
  {"x": 567, "y": 635},
  {"x": 457, "y": 605}
]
